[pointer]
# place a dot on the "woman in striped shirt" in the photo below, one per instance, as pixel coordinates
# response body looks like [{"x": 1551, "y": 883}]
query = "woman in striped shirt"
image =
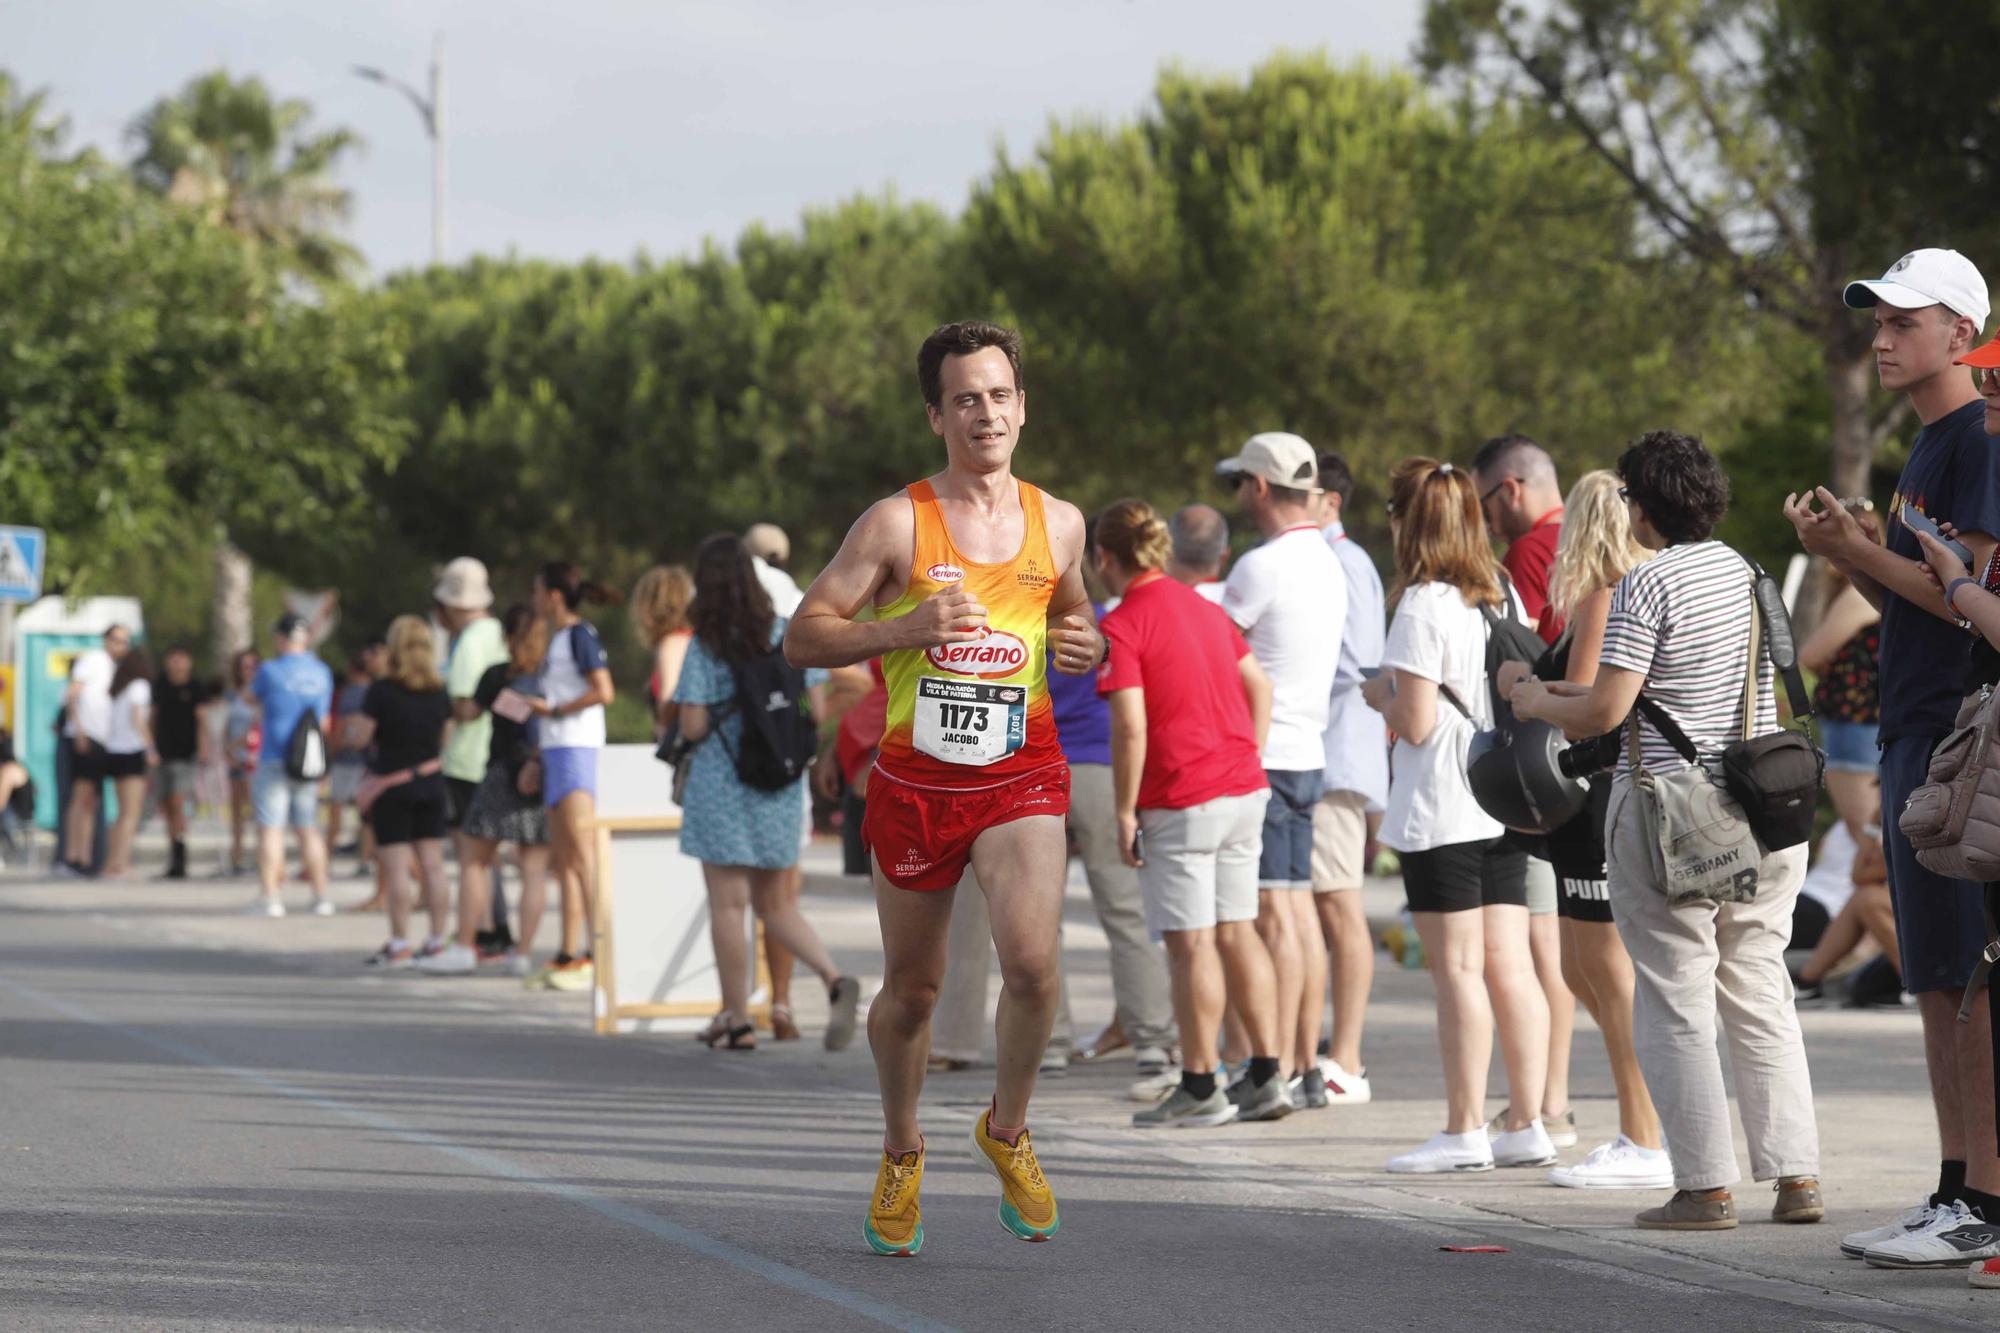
[{"x": 1680, "y": 631}]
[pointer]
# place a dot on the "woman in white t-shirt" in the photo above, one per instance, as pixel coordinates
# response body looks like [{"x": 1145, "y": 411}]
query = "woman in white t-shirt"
[
  {"x": 576, "y": 686},
  {"x": 1467, "y": 890},
  {"x": 128, "y": 750}
]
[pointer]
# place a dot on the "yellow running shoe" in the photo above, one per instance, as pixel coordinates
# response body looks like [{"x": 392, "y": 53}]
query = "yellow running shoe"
[
  {"x": 1027, "y": 1205},
  {"x": 895, "y": 1221},
  {"x": 575, "y": 975}
]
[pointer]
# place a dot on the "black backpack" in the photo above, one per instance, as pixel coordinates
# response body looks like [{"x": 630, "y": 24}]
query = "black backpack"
[
  {"x": 1507, "y": 640},
  {"x": 780, "y": 739},
  {"x": 305, "y": 760}
]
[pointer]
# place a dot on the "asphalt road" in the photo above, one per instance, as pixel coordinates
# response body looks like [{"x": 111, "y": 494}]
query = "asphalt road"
[{"x": 199, "y": 1133}]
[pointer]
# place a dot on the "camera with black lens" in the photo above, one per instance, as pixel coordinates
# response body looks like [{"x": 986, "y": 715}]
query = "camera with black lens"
[{"x": 1584, "y": 759}]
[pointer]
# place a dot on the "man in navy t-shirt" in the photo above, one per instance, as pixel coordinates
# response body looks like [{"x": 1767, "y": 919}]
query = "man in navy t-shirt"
[{"x": 1928, "y": 309}]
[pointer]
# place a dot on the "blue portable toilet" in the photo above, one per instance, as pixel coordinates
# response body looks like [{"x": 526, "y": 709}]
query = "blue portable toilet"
[{"x": 48, "y": 636}]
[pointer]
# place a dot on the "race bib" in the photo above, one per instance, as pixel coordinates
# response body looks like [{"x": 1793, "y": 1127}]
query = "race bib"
[{"x": 968, "y": 721}]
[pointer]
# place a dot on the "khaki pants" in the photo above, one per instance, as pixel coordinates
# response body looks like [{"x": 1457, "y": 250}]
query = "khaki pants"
[
  {"x": 1693, "y": 965},
  {"x": 962, "y": 1023},
  {"x": 1141, "y": 995}
]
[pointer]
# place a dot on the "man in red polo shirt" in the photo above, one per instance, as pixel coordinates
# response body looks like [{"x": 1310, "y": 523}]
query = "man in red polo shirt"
[
  {"x": 1523, "y": 504},
  {"x": 1189, "y": 711}
]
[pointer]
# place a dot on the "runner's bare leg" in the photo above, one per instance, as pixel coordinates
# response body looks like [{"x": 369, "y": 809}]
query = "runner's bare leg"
[
  {"x": 1023, "y": 866},
  {"x": 899, "y": 1021}
]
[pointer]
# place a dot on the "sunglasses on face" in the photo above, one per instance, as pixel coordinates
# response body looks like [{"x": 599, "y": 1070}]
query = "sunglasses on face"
[{"x": 1494, "y": 489}]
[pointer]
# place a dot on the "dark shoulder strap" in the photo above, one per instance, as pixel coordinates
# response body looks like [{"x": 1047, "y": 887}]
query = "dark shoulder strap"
[
  {"x": 1779, "y": 643},
  {"x": 1669, "y": 730}
]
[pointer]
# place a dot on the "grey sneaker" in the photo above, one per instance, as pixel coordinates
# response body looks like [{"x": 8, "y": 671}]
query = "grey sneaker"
[
  {"x": 1261, "y": 1101},
  {"x": 843, "y": 1002},
  {"x": 1308, "y": 1090},
  {"x": 1183, "y": 1110}
]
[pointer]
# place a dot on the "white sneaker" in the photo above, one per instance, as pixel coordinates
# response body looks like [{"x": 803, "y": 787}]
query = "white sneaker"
[
  {"x": 1151, "y": 1059},
  {"x": 1955, "y": 1238},
  {"x": 1154, "y": 1087},
  {"x": 1445, "y": 1153},
  {"x": 1343, "y": 1088},
  {"x": 322, "y": 907},
  {"x": 453, "y": 960},
  {"x": 1561, "y": 1129},
  {"x": 517, "y": 964},
  {"x": 1524, "y": 1147},
  {"x": 272, "y": 907},
  {"x": 1618, "y": 1165},
  {"x": 1855, "y": 1244}
]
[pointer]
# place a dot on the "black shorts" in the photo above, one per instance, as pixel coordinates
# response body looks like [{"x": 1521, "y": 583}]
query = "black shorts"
[
  {"x": 1809, "y": 922},
  {"x": 86, "y": 765},
  {"x": 458, "y": 795},
  {"x": 116, "y": 766},
  {"x": 1576, "y": 850},
  {"x": 1463, "y": 876},
  {"x": 411, "y": 812}
]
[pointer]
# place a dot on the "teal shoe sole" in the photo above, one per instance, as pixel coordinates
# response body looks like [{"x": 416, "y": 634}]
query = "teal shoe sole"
[
  {"x": 1010, "y": 1218},
  {"x": 880, "y": 1246}
]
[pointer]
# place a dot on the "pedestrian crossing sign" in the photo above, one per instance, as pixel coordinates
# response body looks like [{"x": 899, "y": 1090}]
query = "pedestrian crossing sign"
[{"x": 21, "y": 554}]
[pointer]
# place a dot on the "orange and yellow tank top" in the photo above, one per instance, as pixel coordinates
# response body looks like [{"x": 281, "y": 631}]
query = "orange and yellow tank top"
[{"x": 963, "y": 716}]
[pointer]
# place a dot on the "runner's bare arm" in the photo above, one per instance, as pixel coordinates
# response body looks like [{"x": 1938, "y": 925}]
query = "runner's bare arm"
[
  {"x": 1075, "y": 645},
  {"x": 824, "y": 631}
]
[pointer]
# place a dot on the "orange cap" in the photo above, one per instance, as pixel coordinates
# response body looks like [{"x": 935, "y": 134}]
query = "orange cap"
[{"x": 1986, "y": 357}]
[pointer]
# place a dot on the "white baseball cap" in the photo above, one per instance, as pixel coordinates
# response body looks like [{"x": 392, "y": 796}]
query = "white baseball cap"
[
  {"x": 1926, "y": 277},
  {"x": 1279, "y": 457}
]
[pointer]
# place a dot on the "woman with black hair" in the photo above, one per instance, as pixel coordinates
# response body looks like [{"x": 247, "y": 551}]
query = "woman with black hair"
[
  {"x": 576, "y": 686},
  {"x": 128, "y": 750},
  {"x": 746, "y": 838},
  {"x": 1680, "y": 631}
]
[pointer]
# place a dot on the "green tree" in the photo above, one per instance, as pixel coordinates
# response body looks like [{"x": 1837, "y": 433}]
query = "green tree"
[
  {"x": 1784, "y": 146},
  {"x": 159, "y": 387},
  {"x": 249, "y": 161},
  {"x": 1329, "y": 249}
]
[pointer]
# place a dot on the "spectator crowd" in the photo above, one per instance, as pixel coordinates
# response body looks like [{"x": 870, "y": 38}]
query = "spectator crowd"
[{"x": 1262, "y": 736}]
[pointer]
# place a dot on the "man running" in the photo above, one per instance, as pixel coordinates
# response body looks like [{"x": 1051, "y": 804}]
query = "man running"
[{"x": 976, "y": 584}]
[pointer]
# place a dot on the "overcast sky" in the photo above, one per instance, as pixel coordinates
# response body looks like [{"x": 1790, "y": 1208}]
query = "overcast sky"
[{"x": 604, "y": 127}]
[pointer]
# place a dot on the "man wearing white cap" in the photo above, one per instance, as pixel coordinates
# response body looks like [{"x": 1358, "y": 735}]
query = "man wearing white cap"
[
  {"x": 1928, "y": 309},
  {"x": 1289, "y": 597},
  {"x": 770, "y": 552},
  {"x": 464, "y": 597}
]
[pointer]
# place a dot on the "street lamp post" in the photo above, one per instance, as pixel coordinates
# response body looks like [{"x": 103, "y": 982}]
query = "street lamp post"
[{"x": 431, "y": 111}]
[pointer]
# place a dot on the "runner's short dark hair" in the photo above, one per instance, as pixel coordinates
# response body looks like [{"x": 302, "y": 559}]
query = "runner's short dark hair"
[
  {"x": 1677, "y": 482},
  {"x": 962, "y": 339}
]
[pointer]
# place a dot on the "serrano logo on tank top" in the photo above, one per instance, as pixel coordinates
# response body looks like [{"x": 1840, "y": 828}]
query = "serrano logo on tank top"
[
  {"x": 998, "y": 654},
  {"x": 945, "y": 573}
]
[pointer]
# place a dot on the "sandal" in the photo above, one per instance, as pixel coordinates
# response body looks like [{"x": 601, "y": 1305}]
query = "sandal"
[
  {"x": 735, "y": 1039},
  {"x": 1113, "y": 1038},
  {"x": 717, "y": 1029},
  {"x": 782, "y": 1026}
]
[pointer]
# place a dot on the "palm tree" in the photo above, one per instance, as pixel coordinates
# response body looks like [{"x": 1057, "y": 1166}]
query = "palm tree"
[{"x": 249, "y": 162}]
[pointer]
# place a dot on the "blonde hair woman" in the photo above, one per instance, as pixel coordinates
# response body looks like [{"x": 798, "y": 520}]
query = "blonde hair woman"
[
  {"x": 1467, "y": 889},
  {"x": 1598, "y": 548},
  {"x": 660, "y": 602},
  {"x": 404, "y": 718}
]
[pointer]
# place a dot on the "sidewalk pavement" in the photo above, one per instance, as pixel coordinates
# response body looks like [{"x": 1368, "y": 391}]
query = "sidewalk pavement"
[{"x": 1879, "y": 1144}]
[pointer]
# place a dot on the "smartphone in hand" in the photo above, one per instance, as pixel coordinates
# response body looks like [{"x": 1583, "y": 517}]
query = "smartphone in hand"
[{"x": 1917, "y": 522}]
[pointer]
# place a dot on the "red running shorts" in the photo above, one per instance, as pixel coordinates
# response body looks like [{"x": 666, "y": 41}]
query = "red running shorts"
[{"x": 922, "y": 837}]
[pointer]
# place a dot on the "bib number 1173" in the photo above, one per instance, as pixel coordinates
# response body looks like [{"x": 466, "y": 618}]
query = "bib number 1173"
[{"x": 969, "y": 722}]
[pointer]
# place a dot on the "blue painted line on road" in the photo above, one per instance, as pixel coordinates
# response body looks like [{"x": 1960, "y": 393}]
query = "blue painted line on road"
[{"x": 673, "y": 1233}]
